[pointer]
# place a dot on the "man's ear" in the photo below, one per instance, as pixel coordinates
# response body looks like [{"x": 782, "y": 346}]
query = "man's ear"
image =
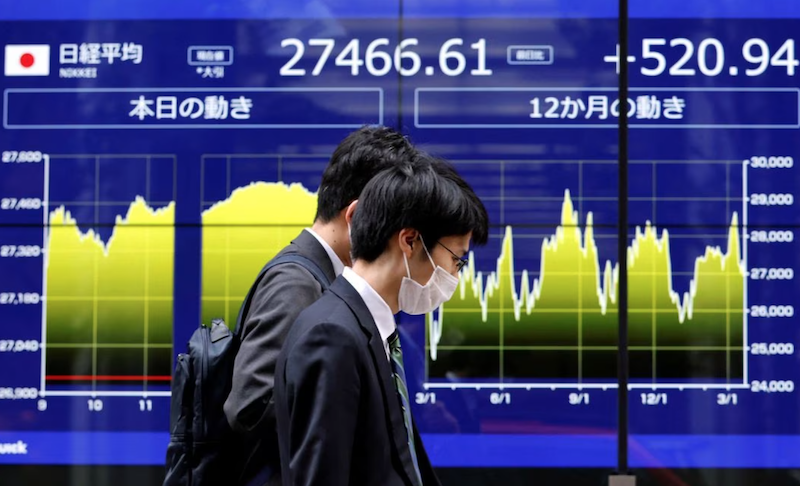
[
  {"x": 406, "y": 238},
  {"x": 349, "y": 211}
]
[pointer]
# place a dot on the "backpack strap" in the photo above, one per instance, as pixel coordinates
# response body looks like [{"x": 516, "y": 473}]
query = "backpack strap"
[{"x": 305, "y": 262}]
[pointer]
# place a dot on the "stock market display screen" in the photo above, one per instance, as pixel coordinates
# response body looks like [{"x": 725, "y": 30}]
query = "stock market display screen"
[{"x": 154, "y": 158}]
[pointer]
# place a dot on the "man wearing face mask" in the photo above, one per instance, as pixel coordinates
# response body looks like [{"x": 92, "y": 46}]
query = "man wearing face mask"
[{"x": 341, "y": 400}]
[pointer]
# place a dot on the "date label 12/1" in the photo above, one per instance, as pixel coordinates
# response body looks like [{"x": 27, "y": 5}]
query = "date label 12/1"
[{"x": 654, "y": 399}]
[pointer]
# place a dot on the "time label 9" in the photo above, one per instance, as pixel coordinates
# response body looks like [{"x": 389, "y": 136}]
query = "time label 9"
[{"x": 379, "y": 58}]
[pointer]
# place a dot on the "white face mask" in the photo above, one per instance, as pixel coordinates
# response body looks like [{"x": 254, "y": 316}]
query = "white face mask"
[{"x": 416, "y": 299}]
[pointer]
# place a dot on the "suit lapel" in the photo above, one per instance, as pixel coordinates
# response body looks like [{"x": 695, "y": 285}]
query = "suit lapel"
[{"x": 394, "y": 414}]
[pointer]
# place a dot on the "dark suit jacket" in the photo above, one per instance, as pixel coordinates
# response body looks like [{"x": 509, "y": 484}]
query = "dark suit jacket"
[
  {"x": 283, "y": 292},
  {"x": 339, "y": 416}
]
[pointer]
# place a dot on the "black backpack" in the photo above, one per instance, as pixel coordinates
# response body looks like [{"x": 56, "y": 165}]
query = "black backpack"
[{"x": 203, "y": 449}]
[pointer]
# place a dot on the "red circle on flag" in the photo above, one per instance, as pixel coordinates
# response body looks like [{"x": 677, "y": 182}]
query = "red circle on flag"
[{"x": 26, "y": 60}]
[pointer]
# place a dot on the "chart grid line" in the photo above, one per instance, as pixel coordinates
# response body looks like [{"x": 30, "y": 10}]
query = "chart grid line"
[
  {"x": 727, "y": 281},
  {"x": 745, "y": 245},
  {"x": 580, "y": 280},
  {"x": 586, "y": 348},
  {"x": 502, "y": 310},
  {"x": 587, "y": 386},
  {"x": 45, "y": 260},
  {"x": 96, "y": 273},
  {"x": 653, "y": 318},
  {"x": 94, "y": 394},
  {"x": 227, "y": 239},
  {"x": 110, "y": 345},
  {"x": 145, "y": 355}
]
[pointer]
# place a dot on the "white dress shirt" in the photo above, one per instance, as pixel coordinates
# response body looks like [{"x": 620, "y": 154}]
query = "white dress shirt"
[
  {"x": 378, "y": 307},
  {"x": 338, "y": 266}
]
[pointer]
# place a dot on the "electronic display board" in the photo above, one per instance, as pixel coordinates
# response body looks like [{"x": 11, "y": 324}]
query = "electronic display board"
[
  {"x": 720, "y": 192},
  {"x": 153, "y": 159}
]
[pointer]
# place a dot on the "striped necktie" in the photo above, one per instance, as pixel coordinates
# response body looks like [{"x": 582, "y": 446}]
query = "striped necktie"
[{"x": 400, "y": 383}]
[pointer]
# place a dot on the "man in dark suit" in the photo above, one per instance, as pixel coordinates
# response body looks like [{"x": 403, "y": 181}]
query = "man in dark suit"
[
  {"x": 341, "y": 397},
  {"x": 287, "y": 289}
]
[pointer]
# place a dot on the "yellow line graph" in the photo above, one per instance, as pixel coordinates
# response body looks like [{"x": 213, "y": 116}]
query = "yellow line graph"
[
  {"x": 242, "y": 233},
  {"x": 120, "y": 291},
  {"x": 573, "y": 300}
]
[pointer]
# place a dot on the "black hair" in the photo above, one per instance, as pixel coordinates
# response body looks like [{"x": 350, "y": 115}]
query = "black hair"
[
  {"x": 356, "y": 160},
  {"x": 426, "y": 194}
]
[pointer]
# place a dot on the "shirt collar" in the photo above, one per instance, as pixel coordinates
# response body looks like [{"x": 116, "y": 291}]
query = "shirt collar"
[
  {"x": 381, "y": 313},
  {"x": 338, "y": 266}
]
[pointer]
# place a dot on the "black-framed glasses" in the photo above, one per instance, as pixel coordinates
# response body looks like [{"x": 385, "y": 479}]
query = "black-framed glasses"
[{"x": 460, "y": 262}]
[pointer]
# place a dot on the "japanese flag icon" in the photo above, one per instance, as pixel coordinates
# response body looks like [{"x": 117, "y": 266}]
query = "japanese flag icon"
[{"x": 27, "y": 60}]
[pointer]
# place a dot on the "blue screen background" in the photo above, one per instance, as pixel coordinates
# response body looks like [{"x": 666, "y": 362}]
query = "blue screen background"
[{"x": 685, "y": 177}]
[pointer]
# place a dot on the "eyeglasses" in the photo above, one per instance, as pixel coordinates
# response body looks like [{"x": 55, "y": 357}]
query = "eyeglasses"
[{"x": 460, "y": 262}]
